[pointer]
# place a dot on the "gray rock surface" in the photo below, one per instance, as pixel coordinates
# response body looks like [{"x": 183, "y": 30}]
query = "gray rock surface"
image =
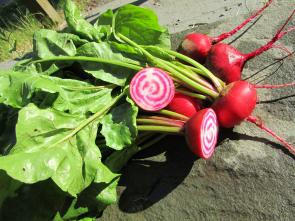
[
  {"x": 250, "y": 177},
  {"x": 6, "y": 65},
  {"x": 5, "y": 2},
  {"x": 181, "y": 15}
]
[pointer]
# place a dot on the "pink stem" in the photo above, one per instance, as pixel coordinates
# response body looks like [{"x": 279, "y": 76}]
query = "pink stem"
[
  {"x": 236, "y": 29},
  {"x": 261, "y": 125},
  {"x": 160, "y": 120},
  {"x": 269, "y": 86},
  {"x": 269, "y": 45},
  {"x": 166, "y": 118}
]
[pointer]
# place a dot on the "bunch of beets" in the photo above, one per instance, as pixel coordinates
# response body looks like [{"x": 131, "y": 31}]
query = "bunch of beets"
[
  {"x": 188, "y": 98},
  {"x": 92, "y": 96}
]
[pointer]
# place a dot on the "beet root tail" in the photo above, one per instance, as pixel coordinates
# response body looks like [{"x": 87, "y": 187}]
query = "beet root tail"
[
  {"x": 261, "y": 125},
  {"x": 240, "y": 26},
  {"x": 269, "y": 86},
  {"x": 283, "y": 48},
  {"x": 280, "y": 33}
]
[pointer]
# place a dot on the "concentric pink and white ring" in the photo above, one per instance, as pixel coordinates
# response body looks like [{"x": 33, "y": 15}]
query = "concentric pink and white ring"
[
  {"x": 209, "y": 133},
  {"x": 152, "y": 89}
]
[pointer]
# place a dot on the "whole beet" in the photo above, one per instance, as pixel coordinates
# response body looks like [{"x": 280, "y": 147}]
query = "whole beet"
[
  {"x": 198, "y": 45},
  {"x": 227, "y": 62},
  {"x": 236, "y": 102}
]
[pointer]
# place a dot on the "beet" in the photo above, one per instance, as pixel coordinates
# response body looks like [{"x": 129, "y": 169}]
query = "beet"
[
  {"x": 152, "y": 89},
  {"x": 236, "y": 103},
  {"x": 198, "y": 45},
  {"x": 184, "y": 105},
  {"x": 227, "y": 63},
  {"x": 201, "y": 133}
]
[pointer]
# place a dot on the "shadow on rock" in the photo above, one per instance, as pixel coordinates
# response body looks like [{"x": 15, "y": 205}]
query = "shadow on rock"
[
  {"x": 149, "y": 177},
  {"x": 230, "y": 134},
  {"x": 154, "y": 173}
]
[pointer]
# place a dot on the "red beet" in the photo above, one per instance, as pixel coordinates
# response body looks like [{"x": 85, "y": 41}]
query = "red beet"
[
  {"x": 236, "y": 103},
  {"x": 201, "y": 133},
  {"x": 184, "y": 105},
  {"x": 197, "y": 45},
  {"x": 152, "y": 89},
  {"x": 227, "y": 62}
]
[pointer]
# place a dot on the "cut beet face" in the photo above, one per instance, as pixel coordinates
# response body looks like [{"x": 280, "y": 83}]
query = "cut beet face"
[
  {"x": 152, "y": 89},
  {"x": 201, "y": 132}
]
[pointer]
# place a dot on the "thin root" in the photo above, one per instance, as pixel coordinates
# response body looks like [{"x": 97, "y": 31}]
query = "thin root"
[
  {"x": 283, "y": 48},
  {"x": 259, "y": 123},
  {"x": 236, "y": 29},
  {"x": 280, "y": 33},
  {"x": 269, "y": 86}
]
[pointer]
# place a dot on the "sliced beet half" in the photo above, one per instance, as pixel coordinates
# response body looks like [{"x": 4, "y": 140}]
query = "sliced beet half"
[
  {"x": 152, "y": 89},
  {"x": 201, "y": 133}
]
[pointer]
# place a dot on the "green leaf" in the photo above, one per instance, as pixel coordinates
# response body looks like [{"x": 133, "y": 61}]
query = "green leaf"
[
  {"x": 73, "y": 211},
  {"x": 141, "y": 26},
  {"x": 8, "y": 118},
  {"x": 81, "y": 98},
  {"x": 87, "y": 219},
  {"x": 14, "y": 91},
  {"x": 49, "y": 43},
  {"x": 103, "y": 23},
  {"x": 58, "y": 217},
  {"x": 164, "y": 39},
  {"x": 19, "y": 89},
  {"x": 109, "y": 73},
  {"x": 158, "y": 52},
  {"x": 118, "y": 159},
  {"x": 40, "y": 68},
  {"x": 47, "y": 148},
  {"x": 78, "y": 25},
  {"x": 25, "y": 66},
  {"x": 107, "y": 50},
  {"x": 8, "y": 186},
  {"x": 99, "y": 195},
  {"x": 127, "y": 51},
  {"x": 109, "y": 194},
  {"x": 119, "y": 126},
  {"x": 104, "y": 174}
]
